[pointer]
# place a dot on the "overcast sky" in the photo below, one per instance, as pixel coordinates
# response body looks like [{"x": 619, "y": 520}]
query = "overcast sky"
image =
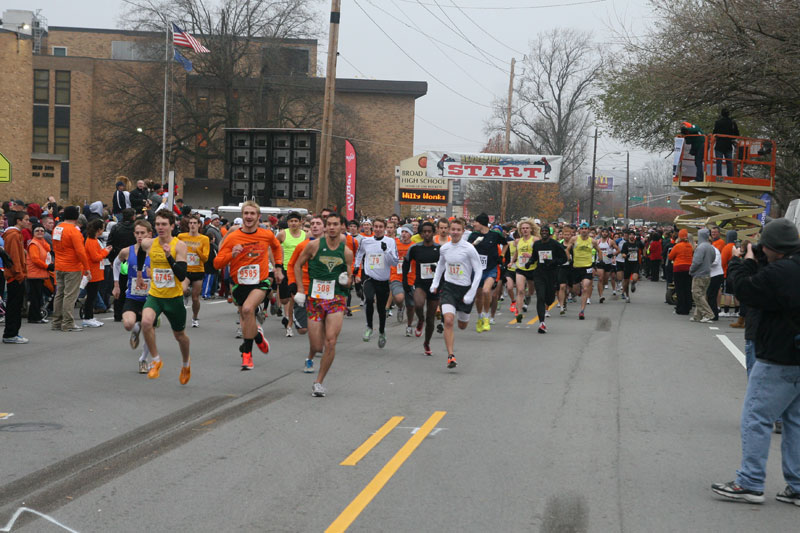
[{"x": 497, "y": 30}]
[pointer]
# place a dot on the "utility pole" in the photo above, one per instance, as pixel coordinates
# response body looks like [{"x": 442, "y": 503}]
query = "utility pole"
[
  {"x": 594, "y": 167},
  {"x": 327, "y": 110},
  {"x": 627, "y": 184},
  {"x": 504, "y": 184}
]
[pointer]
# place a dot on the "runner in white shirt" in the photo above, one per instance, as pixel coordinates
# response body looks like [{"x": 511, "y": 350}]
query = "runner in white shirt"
[
  {"x": 374, "y": 259},
  {"x": 461, "y": 267}
]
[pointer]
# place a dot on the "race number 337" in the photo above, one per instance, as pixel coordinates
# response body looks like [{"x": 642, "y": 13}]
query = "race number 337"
[
  {"x": 322, "y": 289},
  {"x": 249, "y": 274}
]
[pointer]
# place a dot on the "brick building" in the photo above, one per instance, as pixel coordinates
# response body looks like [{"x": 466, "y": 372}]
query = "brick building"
[{"x": 65, "y": 132}]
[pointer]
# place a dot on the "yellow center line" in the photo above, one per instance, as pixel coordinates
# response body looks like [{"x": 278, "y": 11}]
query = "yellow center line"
[
  {"x": 371, "y": 442},
  {"x": 536, "y": 318},
  {"x": 361, "y": 501}
]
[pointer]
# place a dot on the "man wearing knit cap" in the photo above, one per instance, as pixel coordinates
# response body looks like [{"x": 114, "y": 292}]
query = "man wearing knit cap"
[
  {"x": 773, "y": 388},
  {"x": 700, "y": 271}
]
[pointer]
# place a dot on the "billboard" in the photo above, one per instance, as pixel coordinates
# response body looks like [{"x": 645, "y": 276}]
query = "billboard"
[
  {"x": 499, "y": 167},
  {"x": 416, "y": 187},
  {"x": 601, "y": 183}
]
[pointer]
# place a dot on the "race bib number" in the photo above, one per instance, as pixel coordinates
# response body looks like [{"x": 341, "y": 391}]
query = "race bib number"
[
  {"x": 323, "y": 289},
  {"x": 426, "y": 270},
  {"x": 375, "y": 261},
  {"x": 522, "y": 260},
  {"x": 589, "y": 270},
  {"x": 400, "y": 265},
  {"x": 545, "y": 255},
  {"x": 140, "y": 292},
  {"x": 57, "y": 233},
  {"x": 484, "y": 261},
  {"x": 455, "y": 269},
  {"x": 163, "y": 278},
  {"x": 192, "y": 259},
  {"x": 249, "y": 274},
  {"x": 633, "y": 256}
]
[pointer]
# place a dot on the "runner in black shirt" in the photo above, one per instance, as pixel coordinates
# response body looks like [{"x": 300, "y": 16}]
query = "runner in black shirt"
[
  {"x": 631, "y": 252},
  {"x": 425, "y": 256},
  {"x": 549, "y": 254},
  {"x": 488, "y": 245}
]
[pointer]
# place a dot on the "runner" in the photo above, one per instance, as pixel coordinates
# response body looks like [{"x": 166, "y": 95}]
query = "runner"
[
  {"x": 581, "y": 247},
  {"x": 619, "y": 264},
  {"x": 289, "y": 239},
  {"x": 606, "y": 256},
  {"x": 511, "y": 274},
  {"x": 486, "y": 243},
  {"x": 198, "y": 247},
  {"x": 522, "y": 260},
  {"x": 401, "y": 293},
  {"x": 356, "y": 238},
  {"x": 330, "y": 274},
  {"x": 548, "y": 254},
  {"x": 460, "y": 265},
  {"x": 442, "y": 232},
  {"x": 167, "y": 263},
  {"x": 134, "y": 297},
  {"x": 374, "y": 260},
  {"x": 247, "y": 250},
  {"x": 424, "y": 257},
  {"x": 632, "y": 254}
]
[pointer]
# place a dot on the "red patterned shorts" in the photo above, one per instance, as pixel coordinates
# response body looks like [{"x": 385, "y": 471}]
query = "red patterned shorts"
[{"x": 318, "y": 309}]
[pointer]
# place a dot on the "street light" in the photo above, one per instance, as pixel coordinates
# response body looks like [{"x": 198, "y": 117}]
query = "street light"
[{"x": 595, "y": 159}]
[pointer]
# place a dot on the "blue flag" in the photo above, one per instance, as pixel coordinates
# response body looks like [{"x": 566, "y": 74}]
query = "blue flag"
[{"x": 183, "y": 61}]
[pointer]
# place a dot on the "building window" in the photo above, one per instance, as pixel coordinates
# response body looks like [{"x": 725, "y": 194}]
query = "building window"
[
  {"x": 41, "y": 129},
  {"x": 60, "y": 51},
  {"x": 65, "y": 180},
  {"x": 62, "y": 87},
  {"x": 41, "y": 86},
  {"x": 61, "y": 141}
]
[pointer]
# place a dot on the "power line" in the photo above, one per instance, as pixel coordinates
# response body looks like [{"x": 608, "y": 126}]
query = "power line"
[
  {"x": 484, "y": 31},
  {"x": 510, "y": 8},
  {"x": 429, "y": 73},
  {"x": 448, "y": 132}
]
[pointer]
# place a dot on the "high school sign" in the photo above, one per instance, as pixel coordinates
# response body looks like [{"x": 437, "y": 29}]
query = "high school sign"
[{"x": 498, "y": 167}]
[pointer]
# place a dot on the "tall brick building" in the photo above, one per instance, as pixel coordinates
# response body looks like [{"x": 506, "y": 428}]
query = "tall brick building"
[{"x": 68, "y": 135}]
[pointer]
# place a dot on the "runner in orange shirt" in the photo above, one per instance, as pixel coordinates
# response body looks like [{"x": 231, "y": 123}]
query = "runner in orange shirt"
[{"x": 399, "y": 294}]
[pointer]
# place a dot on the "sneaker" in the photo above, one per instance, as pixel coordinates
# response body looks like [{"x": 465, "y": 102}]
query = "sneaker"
[
  {"x": 17, "y": 339},
  {"x": 92, "y": 323},
  {"x": 186, "y": 299},
  {"x": 418, "y": 330},
  {"x": 349, "y": 313},
  {"x": 40, "y": 321},
  {"x": 261, "y": 315},
  {"x": 486, "y": 325},
  {"x": 389, "y": 313},
  {"x": 603, "y": 298},
  {"x": 144, "y": 367},
  {"x": 318, "y": 391},
  {"x": 186, "y": 375},
  {"x": 581, "y": 316},
  {"x": 588, "y": 301},
  {"x": 547, "y": 314},
  {"x": 409, "y": 331},
  {"x": 519, "y": 318},
  {"x": 778, "y": 429},
  {"x": 381, "y": 340},
  {"x": 264, "y": 345},
  {"x": 542, "y": 328},
  {"x": 308, "y": 368},
  {"x": 527, "y": 300},
  {"x": 195, "y": 323},
  {"x": 134, "y": 340},
  {"x": 633, "y": 287},
  {"x": 73, "y": 328},
  {"x": 427, "y": 349},
  {"x": 733, "y": 491},
  {"x": 238, "y": 333},
  {"x": 562, "y": 311},
  {"x": 155, "y": 369},
  {"x": 525, "y": 307},
  {"x": 439, "y": 328},
  {"x": 491, "y": 321},
  {"x": 479, "y": 325},
  {"x": 706, "y": 320},
  {"x": 451, "y": 361},
  {"x": 367, "y": 335},
  {"x": 692, "y": 319},
  {"x": 285, "y": 322},
  {"x": 513, "y": 308},
  {"x": 613, "y": 293},
  {"x": 289, "y": 331},
  {"x": 789, "y": 496},
  {"x": 400, "y": 314},
  {"x": 247, "y": 361}
]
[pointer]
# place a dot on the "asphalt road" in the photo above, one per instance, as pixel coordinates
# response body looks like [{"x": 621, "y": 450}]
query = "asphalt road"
[{"x": 617, "y": 423}]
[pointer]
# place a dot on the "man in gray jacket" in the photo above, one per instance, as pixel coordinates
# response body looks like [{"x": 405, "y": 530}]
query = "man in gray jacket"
[{"x": 700, "y": 271}]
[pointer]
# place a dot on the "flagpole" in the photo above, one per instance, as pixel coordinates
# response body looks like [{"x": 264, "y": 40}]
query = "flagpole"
[{"x": 164, "y": 126}]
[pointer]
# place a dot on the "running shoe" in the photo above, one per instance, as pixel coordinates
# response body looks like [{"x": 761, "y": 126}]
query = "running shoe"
[
  {"x": 603, "y": 298},
  {"x": 789, "y": 496},
  {"x": 381, "y": 340},
  {"x": 285, "y": 322},
  {"x": 261, "y": 315},
  {"x": 479, "y": 325},
  {"x": 418, "y": 330},
  {"x": 247, "y": 361},
  {"x": 486, "y": 325},
  {"x": 349, "y": 313},
  {"x": 427, "y": 349},
  {"x": 308, "y": 368},
  {"x": 547, "y": 314},
  {"x": 144, "y": 367},
  {"x": 155, "y": 369},
  {"x": 513, "y": 308},
  {"x": 633, "y": 287},
  {"x": 439, "y": 328},
  {"x": 238, "y": 333},
  {"x": 525, "y": 308},
  {"x": 289, "y": 331},
  {"x": 186, "y": 298},
  {"x": 389, "y": 312},
  {"x": 409, "y": 331},
  {"x": 706, "y": 320},
  {"x": 318, "y": 391},
  {"x": 542, "y": 328},
  {"x": 451, "y": 361},
  {"x": 733, "y": 491},
  {"x": 367, "y": 335},
  {"x": 562, "y": 311},
  {"x": 195, "y": 323},
  {"x": 186, "y": 375},
  {"x": 264, "y": 344},
  {"x": 491, "y": 321},
  {"x": 581, "y": 316},
  {"x": 588, "y": 301},
  {"x": 73, "y": 328},
  {"x": 135, "y": 338},
  {"x": 519, "y": 318},
  {"x": 527, "y": 299},
  {"x": 92, "y": 323},
  {"x": 16, "y": 339}
]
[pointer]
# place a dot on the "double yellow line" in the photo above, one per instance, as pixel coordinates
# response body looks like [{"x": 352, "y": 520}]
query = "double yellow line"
[
  {"x": 535, "y": 319},
  {"x": 351, "y": 512}
]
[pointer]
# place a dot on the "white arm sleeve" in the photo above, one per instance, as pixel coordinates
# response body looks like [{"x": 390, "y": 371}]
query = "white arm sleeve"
[
  {"x": 437, "y": 277},
  {"x": 116, "y": 267},
  {"x": 477, "y": 269}
]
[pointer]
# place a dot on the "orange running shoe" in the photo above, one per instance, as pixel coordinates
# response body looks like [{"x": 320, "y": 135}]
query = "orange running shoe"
[
  {"x": 513, "y": 308},
  {"x": 247, "y": 361},
  {"x": 186, "y": 374},
  {"x": 264, "y": 344},
  {"x": 155, "y": 369},
  {"x": 451, "y": 361}
]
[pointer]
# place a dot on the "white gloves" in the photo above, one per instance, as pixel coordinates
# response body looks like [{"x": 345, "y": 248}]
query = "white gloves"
[
  {"x": 469, "y": 297},
  {"x": 300, "y": 298},
  {"x": 343, "y": 278}
]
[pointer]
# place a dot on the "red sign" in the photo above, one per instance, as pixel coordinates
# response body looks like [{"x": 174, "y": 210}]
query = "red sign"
[{"x": 350, "y": 181}]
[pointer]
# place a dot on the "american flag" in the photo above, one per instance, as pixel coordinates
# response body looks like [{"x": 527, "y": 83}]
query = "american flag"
[{"x": 182, "y": 38}]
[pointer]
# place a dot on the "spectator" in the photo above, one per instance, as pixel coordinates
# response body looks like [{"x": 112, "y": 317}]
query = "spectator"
[
  {"x": 697, "y": 142},
  {"x": 681, "y": 257},
  {"x": 717, "y": 276},
  {"x": 723, "y": 146},
  {"x": 39, "y": 261},
  {"x": 177, "y": 208},
  {"x": 96, "y": 255},
  {"x": 71, "y": 263},
  {"x": 139, "y": 196},
  {"x": 121, "y": 200},
  {"x": 654, "y": 255},
  {"x": 48, "y": 223},
  {"x": 15, "y": 274},
  {"x": 701, "y": 277}
]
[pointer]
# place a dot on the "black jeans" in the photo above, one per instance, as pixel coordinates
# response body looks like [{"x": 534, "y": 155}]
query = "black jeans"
[
  {"x": 35, "y": 299},
  {"x": 16, "y": 298},
  {"x": 713, "y": 291},
  {"x": 655, "y": 269},
  {"x": 379, "y": 290},
  {"x": 683, "y": 292},
  {"x": 544, "y": 283},
  {"x": 698, "y": 163},
  {"x": 91, "y": 296}
]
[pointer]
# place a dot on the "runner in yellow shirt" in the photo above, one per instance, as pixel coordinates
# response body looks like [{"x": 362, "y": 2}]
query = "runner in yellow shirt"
[{"x": 198, "y": 248}]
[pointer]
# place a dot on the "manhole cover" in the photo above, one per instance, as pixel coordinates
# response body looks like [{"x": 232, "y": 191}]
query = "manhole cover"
[{"x": 30, "y": 426}]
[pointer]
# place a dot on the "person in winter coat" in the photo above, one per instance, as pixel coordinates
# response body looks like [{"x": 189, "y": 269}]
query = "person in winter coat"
[
  {"x": 654, "y": 255},
  {"x": 723, "y": 146},
  {"x": 681, "y": 257},
  {"x": 96, "y": 254},
  {"x": 697, "y": 141},
  {"x": 700, "y": 271},
  {"x": 39, "y": 267}
]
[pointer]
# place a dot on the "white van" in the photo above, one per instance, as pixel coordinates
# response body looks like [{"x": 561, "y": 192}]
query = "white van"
[{"x": 232, "y": 211}]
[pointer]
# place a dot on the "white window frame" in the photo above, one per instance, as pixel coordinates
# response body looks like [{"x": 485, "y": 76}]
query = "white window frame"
[{"x": 53, "y": 51}]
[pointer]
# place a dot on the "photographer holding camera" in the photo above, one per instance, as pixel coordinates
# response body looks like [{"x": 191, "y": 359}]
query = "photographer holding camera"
[{"x": 773, "y": 388}]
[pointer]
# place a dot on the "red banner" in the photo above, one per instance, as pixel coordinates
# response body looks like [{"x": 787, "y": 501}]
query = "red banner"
[{"x": 350, "y": 182}]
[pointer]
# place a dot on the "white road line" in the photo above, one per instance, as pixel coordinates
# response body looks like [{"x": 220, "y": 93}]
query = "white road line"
[
  {"x": 733, "y": 349},
  {"x": 37, "y": 513},
  {"x": 713, "y": 328}
]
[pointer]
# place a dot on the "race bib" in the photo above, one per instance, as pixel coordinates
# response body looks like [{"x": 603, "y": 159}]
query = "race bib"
[
  {"x": 140, "y": 292},
  {"x": 375, "y": 261},
  {"x": 163, "y": 278},
  {"x": 589, "y": 270},
  {"x": 57, "y": 233},
  {"x": 545, "y": 255},
  {"x": 633, "y": 256},
  {"x": 426, "y": 270},
  {"x": 249, "y": 274},
  {"x": 484, "y": 261},
  {"x": 522, "y": 260},
  {"x": 192, "y": 259},
  {"x": 323, "y": 289}
]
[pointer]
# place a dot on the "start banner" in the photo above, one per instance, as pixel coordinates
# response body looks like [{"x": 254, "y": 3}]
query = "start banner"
[{"x": 499, "y": 167}]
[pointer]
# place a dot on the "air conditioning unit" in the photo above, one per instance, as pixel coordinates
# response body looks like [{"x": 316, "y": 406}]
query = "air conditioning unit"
[
  {"x": 241, "y": 156},
  {"x": 280, "y": 174},
  {"x": 302, "y": 157},
  {"x": 259, "y": 173},
  {"x": 280, "y": 190},
  {"x": 240, "y": 173},
  {"x": 302, "y": 190},
  {"x": 280, "y": 141},
  {"x": 302, "y": 174},
  {"x": 241, "y": 140},
  {"x": 280, "y": 157},
  {"x": 240, "y": 188},
  {"x": 302, "y": 141},
  {"x": 260, "y": 141},
  {"x": 260, "y": 156}
]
